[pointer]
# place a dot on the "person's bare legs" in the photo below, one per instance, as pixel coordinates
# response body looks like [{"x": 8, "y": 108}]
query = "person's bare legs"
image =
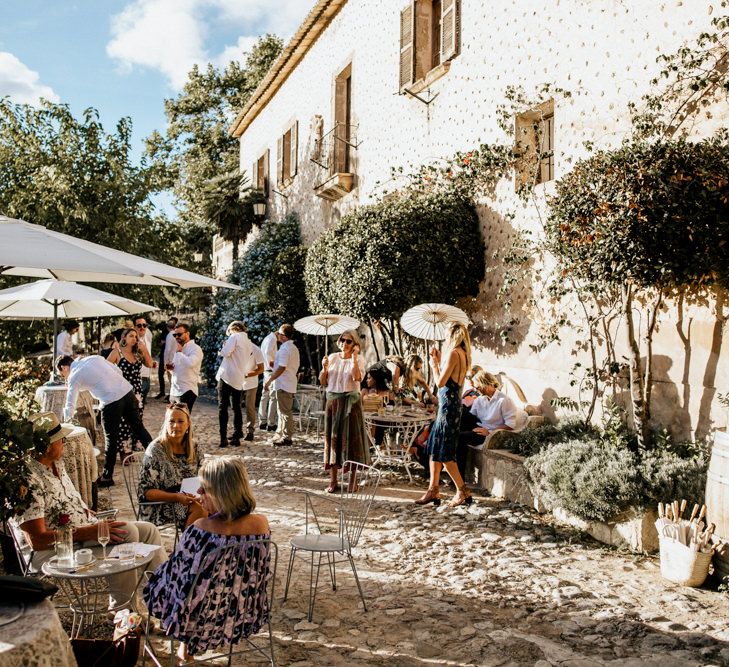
[
  {"x": 462, "y": 495},
  {"x": 333, "y": 481},
  {"x": 432, "y": 495}
]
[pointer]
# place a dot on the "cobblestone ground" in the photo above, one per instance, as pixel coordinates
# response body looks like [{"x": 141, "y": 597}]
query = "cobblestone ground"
[{"x": 493, "y": 584}]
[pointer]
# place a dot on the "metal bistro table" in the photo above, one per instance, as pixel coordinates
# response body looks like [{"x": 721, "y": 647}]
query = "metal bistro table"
[
  {"x": 79, "y": 459},
  {"x": 401, "y": 427},
  {"x": 52, "y": 398},
  {"x": 87, "y": 587}
]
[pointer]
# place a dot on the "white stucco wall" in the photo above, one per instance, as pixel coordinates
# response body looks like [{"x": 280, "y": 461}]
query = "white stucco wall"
[{"x": 602, "y": 51}]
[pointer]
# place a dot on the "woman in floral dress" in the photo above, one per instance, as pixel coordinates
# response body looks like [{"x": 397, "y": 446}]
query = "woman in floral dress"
[
  {"x": 130, "y": 355},
  {"x": 168, "y": 460},
  {"x": 226, "y": 494}
]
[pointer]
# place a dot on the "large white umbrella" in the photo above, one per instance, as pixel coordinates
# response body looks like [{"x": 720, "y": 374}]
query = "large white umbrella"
[
  {"x": 34, "y": 250},
  {"x": 51, "y": 299},
  {"x": 326, "y": 325}
]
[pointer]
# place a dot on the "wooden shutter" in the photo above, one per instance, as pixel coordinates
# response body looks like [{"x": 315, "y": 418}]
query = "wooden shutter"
[
  {"x": 407, "y": 45},
  {"x": 266, "y": 163},
  {"x": 450, "y": 28},
  {"x": 293, "y": 163},
  {"x": 280, "y": 160},
  {"x": 254, "y": 175}
]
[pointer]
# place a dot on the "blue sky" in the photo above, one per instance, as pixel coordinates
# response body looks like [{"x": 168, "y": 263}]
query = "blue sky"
[{"x": 124, "y": 57}]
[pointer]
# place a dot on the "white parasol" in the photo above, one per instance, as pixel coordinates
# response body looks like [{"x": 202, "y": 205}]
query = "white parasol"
[
  {"x": 325, "y": 325},
  {"x": 34, "y": 250},
  {"x": 51, "y": 299}
]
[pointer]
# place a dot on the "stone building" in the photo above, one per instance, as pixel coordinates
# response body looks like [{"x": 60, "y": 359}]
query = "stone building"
[{"x": 365, "y": 86}]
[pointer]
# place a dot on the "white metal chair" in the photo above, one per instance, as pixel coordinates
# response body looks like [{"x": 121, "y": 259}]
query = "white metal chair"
[
  {"x": 350, "y": 509},
  {"x": 131, "y": 467},
  {"x": 255, "y": 563},
  {"x": 310, "y": 404}
]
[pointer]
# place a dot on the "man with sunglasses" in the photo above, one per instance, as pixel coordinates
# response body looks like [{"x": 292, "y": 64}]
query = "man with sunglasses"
[
  {"x": 143, "y": 333},
  {"x": 284, "y": 376},
  {"x": 185, "y": 367}
]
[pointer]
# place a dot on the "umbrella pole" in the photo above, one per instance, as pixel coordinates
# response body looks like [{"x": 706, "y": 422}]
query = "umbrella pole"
[{"x": 55, "y": 339}]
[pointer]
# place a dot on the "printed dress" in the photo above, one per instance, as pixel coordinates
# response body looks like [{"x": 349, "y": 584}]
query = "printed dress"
[
  {"x": 160, "y": 472},
  {"x": 132, "y": 374},
  {"x": 443, "y": 438},
  {"x": 242, "y": 574}
]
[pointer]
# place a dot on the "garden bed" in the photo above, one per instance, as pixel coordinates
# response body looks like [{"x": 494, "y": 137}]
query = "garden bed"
[{"x": 503, "y": 475}]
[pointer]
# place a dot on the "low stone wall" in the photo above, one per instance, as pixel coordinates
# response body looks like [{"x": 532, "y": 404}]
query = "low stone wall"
[{"x": 502, "y": 474}]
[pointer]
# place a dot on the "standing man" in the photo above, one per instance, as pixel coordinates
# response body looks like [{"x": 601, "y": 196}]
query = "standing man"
[
  {"x": 105, "y": 382},
  {"x": 64, "y": 344},
  {"x": 167, "y": 351},
  {"x": 185, "y": 367},
  {"x": 236, "y": 353},
  {"x": 284, "y": 375},
  {"x": 143, "y": 333},
  {"x": 250, "y": 388},
  {"x": 267, "y": 413}
]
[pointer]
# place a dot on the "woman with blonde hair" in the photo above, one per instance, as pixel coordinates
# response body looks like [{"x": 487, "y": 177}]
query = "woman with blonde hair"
[
  {"x": 414, "y": 389},
  {"x": 169, "y": 459},
  {"x": 443, "y": 438},
  {"x": 225, "y": 494},
  {"x": 345, "y": 438}
]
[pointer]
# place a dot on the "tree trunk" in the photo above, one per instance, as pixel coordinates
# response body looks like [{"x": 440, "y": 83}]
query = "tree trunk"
[
  {"x": 648, "y": 383},
  {"x": 235, "y": 249},
  {"x": 374, "y": 340},
  {"x": 637, "y": 387}
]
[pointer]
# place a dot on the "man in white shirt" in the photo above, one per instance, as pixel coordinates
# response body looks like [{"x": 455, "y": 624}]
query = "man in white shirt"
[
  {"x": 185, "y": 367},
  {"x": 235, "y": 364},
  {"x": 284, "y": 375},
  {"x": 168, "y": 351},
  {"x": 105, "y": 382},
  {"x": 64, "y": 344},
  {"x": 267, "y": 412},
  {"x": 143, "y": 333},
  {"x": 250, "y": 389}
]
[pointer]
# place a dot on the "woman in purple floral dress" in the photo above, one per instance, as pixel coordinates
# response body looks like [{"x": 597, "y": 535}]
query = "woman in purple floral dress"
[{"x": 226, "y": 494}]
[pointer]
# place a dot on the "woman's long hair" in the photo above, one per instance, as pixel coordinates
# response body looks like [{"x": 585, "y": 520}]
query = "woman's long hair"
[
  {"x": 458, "y": 337},
  {"x": 187, "y": 439},
  {"x": 225, "y": 480},
  {"x": 410, "y": 374},
  {"x": 135, "y": 347}
]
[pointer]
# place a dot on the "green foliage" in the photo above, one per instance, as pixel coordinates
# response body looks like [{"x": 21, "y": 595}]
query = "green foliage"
[
  {"x": 17, "y": 442},
  {"x": 263, "y": 302},
  {"x": 384, "y": 258},
  {"x": 533, "y": 440},
  {"x": 18, "y": 382},
  {"x": 653, "y": 214}
]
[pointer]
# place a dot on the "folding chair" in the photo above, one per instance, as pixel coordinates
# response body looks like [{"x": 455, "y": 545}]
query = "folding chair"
[
  {"x": 253, "y": 564},
  {"x": 351, "y": 509},
  {"x": 131, "y": 467}
]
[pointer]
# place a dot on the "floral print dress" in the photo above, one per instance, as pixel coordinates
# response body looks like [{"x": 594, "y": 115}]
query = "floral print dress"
[
  {"x": 160, "y": 472},
  {"x": 214, "y": 615},
  {"x": 132, "y": 374}
]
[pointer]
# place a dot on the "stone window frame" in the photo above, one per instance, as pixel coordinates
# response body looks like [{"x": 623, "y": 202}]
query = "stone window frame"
[
  {"x": 287, "y": 160},
  {"x": 535, "y": 145}
]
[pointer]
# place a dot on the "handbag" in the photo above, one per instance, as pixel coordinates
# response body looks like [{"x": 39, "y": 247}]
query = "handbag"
[{"x": 27, "y": 590}]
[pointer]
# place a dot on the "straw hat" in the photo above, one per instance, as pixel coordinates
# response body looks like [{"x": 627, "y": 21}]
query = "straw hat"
[{"x": 48, "y": 422}]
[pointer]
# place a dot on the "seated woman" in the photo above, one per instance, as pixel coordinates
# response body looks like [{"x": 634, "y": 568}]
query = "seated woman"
[
  {"x": 226, "y": 495},
  {"x": 391, "y": 368},
  {"x": 376, "y": 385},
  {"x": 168, "y": 460},
  {"x": 413, "y": 387},
  {"x": 492, "y": 411},
  {"x": 56, "y": 502}
]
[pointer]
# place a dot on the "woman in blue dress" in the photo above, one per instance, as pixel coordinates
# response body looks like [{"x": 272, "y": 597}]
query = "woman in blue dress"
[{"x": 443, "y": 438}]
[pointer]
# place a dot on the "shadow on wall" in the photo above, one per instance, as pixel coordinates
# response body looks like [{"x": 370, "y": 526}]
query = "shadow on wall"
[{"x": 496, "y": 327}]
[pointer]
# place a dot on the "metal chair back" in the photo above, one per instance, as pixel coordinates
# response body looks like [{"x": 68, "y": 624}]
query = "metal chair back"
[
  {"x": 359, "y": 486},
  {"x": 131, "y": 467}
]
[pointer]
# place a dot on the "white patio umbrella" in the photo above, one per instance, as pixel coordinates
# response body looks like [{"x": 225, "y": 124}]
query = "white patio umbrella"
[
  {"x": 325, "y": 325},
  {"x": 51, "y": 299},
  {"x": 430, "y": 321},
  {"x": 34, "y": 250}
]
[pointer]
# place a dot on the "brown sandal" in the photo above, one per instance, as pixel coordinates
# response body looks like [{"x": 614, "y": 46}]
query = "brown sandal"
[
  {"x": 332, "y": 489},
  {"x": 430, "y": 496}
]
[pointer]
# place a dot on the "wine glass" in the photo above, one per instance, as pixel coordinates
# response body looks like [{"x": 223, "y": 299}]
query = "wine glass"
[{"x": 103, "y": 537}]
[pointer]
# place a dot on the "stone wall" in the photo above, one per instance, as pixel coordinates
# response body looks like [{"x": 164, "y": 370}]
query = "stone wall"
[{"x": 602, "y": 51}]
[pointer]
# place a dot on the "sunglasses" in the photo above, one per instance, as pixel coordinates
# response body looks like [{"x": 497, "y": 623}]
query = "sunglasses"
[
  {"x": 141, "y": 326},
  {"x": 179, "y": 406},
  {"x": 346, "y": 341},
  {"x": 177, "y": 335}
]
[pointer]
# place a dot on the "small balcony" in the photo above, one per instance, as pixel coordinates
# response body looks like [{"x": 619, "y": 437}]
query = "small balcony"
[{"x": 332, "y": 154}]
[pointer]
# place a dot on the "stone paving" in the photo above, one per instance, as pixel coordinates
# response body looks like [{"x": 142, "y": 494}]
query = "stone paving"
[{"x": 492, "y": 584}]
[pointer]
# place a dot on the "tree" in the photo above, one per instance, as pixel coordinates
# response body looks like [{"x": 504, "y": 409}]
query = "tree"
[
  {"x": 650, "y": 220},
  {"x": 197, "y": 146}
]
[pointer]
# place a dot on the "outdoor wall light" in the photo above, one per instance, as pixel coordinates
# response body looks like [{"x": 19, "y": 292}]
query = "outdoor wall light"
[
  {"x": 198, "y": 257},
  {"x": 259, "y": 208}
]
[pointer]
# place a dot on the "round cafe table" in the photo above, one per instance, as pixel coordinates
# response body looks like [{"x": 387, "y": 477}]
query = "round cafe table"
[
  {"x": 52, "y": 398},
  {"x": 79, "y": 459},
  {"x": 32, "y": 634},
  {"x": 401, "y": 427}
]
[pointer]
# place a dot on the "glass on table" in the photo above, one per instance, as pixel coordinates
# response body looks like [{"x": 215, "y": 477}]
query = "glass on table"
[
  {"x": 103, "y": 536},
  {"x": 126, "y": 552}
]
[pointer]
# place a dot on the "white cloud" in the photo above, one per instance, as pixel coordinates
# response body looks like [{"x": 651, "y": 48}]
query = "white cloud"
[
  {"x": 170, "y": 35},
  {"x": 21, "y": 83}
]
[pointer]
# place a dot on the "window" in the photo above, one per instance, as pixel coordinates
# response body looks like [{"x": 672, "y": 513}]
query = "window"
[
  {"x": 535, "y": 145},
  {"x": 259, "y": 172},
  {"x": 286, "y": 155},
  {"x": 343, "y": 121},
  {"x": 429, "y": 36}
]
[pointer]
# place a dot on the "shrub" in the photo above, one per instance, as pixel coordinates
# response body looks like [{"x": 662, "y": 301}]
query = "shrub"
[
  {"x": 18, "y": 382},
  {"x": 533, "y": 440}
]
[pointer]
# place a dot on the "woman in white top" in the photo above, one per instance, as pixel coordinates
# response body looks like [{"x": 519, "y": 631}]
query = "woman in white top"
[{"x": 344, "y": 433}]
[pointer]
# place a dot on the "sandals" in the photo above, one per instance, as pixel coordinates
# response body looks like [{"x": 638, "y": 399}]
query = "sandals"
[
  {"x": 461, "y": 498},
  {"x": 333, "y": 488},
  {"x": 430, "y": 496}
]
